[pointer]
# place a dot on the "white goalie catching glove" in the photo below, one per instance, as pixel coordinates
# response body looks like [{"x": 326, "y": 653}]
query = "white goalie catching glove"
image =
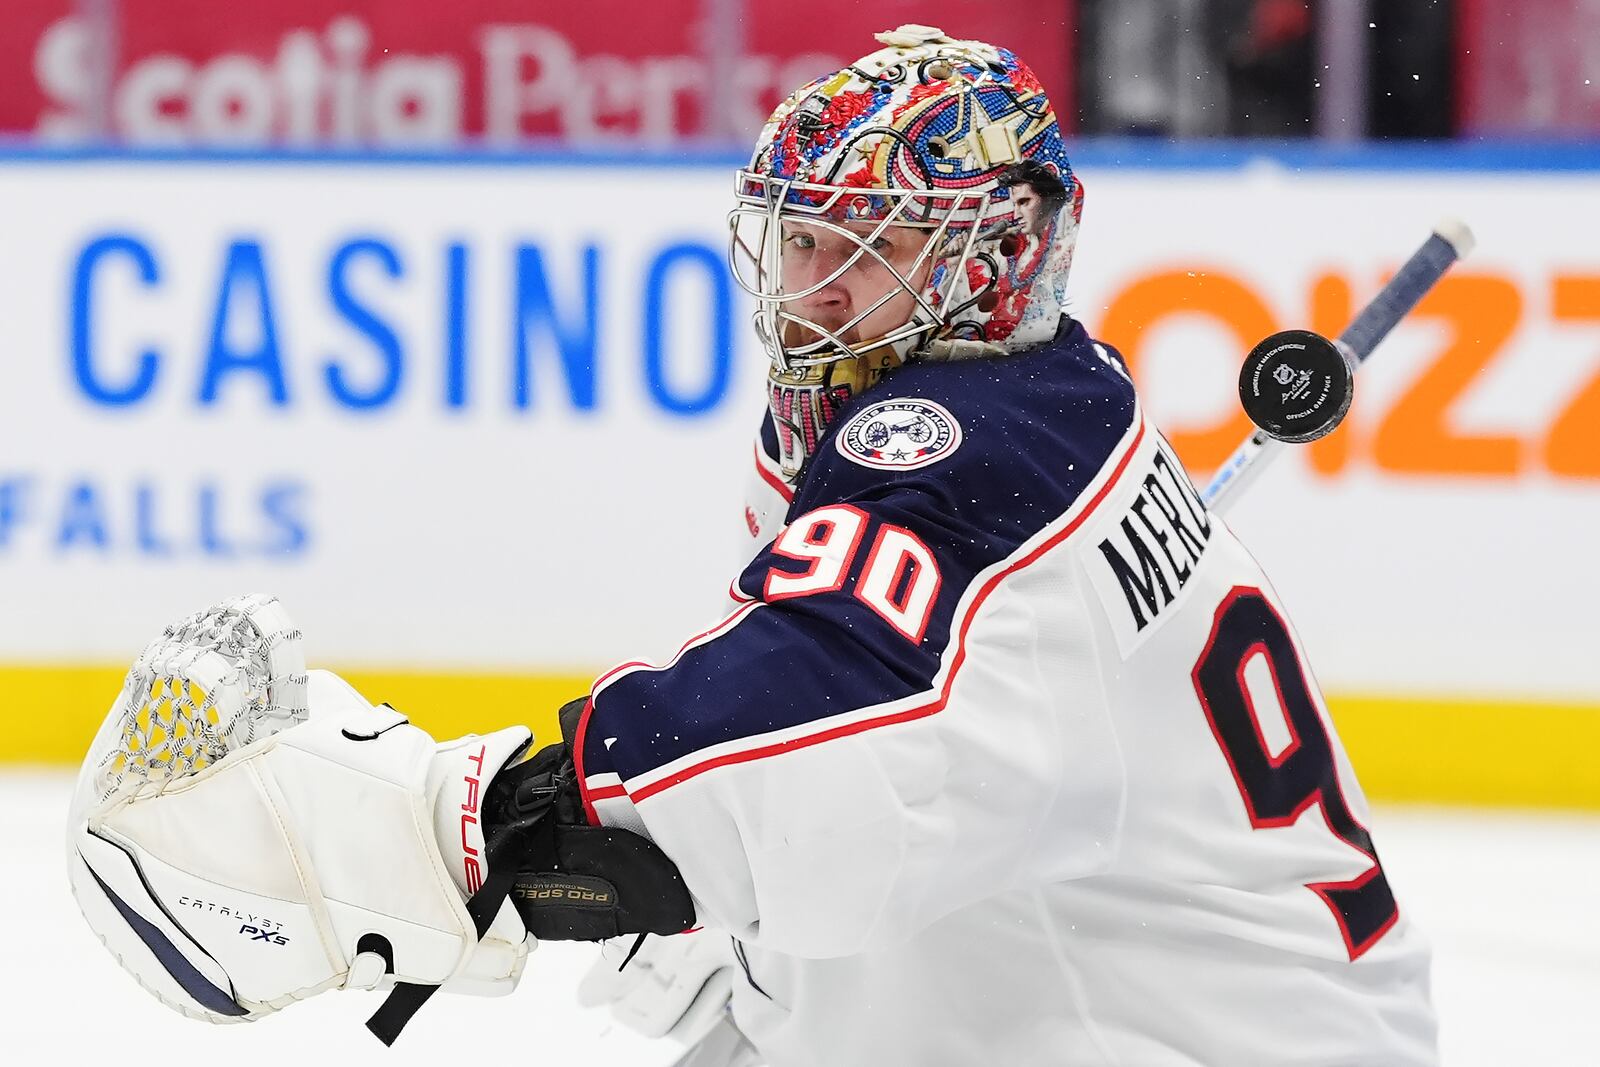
[{"x": 243, "y": 836}]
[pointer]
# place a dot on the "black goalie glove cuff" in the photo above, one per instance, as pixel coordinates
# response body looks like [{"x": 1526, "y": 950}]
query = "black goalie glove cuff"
[
  {"x": 573, "y": 881},
  {"x": 568, "y": 881}
]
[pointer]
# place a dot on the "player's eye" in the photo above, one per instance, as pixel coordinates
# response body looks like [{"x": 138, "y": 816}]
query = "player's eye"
[{"x": 799, "y": 240}]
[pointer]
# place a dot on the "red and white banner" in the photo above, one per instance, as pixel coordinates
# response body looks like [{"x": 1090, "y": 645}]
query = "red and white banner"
[
  {"x": 1529, "y": 67},
  {"x": 414, "y": 73}
]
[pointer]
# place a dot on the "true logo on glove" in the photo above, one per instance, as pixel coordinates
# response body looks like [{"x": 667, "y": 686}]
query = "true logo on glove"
[{"x": 469, "y": 817}]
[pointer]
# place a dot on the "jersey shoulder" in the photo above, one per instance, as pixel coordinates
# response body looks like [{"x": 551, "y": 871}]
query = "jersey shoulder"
[{"x": 1015, "y": 438}]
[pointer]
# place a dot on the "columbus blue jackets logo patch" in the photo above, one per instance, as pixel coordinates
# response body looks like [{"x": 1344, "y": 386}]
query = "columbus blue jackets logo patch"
[{"x": 899, "y": 435}]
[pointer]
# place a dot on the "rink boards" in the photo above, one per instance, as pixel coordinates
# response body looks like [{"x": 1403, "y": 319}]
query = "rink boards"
[{"x": 482, "y": 423}]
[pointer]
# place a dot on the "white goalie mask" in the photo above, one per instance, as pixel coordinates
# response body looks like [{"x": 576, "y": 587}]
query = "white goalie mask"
[{"x": 916, "y": 204}]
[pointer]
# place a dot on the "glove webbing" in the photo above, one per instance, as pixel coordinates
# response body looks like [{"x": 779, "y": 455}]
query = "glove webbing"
[{"x": 407, "y": 998}]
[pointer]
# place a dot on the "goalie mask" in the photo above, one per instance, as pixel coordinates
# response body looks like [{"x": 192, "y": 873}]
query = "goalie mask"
[{"x": 916, "y": 204}]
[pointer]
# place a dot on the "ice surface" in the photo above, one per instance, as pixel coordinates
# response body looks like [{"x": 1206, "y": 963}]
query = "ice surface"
[{"x": 1509, "y": 901}]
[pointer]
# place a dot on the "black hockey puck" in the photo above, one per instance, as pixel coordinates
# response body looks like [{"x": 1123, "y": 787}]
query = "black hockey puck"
[{"x": 1296, "y": 386}]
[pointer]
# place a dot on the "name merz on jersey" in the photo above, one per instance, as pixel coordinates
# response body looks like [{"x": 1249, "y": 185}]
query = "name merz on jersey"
[{"x": 1152, "y": 550}]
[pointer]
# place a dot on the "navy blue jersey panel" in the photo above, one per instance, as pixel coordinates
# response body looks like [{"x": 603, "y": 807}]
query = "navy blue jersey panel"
[
  {"x": 782, "y": 667},
  {"x": 1035, "y": 430},
  {"x": 593, "y": 753}
]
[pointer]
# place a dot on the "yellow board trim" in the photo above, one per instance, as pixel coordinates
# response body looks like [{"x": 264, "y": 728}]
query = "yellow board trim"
[
  {"x": 50, "y": 714},
  {"x": 1500, "y": 753},
  {"x": 1534, "y": 754}
]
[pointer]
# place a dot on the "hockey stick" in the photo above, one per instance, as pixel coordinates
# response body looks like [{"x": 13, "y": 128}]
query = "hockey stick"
[{"x": 1450, "y": 240}]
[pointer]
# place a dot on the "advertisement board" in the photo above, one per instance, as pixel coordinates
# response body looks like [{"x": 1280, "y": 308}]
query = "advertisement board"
[
  {"x": 411, "y": 387},
  {"x": 494, "y": 419},
  {"x": 495, "y": 71}
]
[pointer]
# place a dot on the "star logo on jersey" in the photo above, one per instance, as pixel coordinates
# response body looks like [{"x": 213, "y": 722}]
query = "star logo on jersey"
[{"x": 901, "y": 434}]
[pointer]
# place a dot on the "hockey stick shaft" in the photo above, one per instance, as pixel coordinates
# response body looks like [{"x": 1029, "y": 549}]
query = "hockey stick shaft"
[{"x": 1449, "y": 241}]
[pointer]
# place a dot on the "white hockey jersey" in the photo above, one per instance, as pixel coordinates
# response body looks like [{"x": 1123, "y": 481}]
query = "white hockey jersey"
[{"x": 1009, "y": 754}]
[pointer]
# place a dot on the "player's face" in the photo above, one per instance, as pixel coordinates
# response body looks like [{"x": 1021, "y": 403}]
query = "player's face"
[{"x": 813, "y": 253}]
